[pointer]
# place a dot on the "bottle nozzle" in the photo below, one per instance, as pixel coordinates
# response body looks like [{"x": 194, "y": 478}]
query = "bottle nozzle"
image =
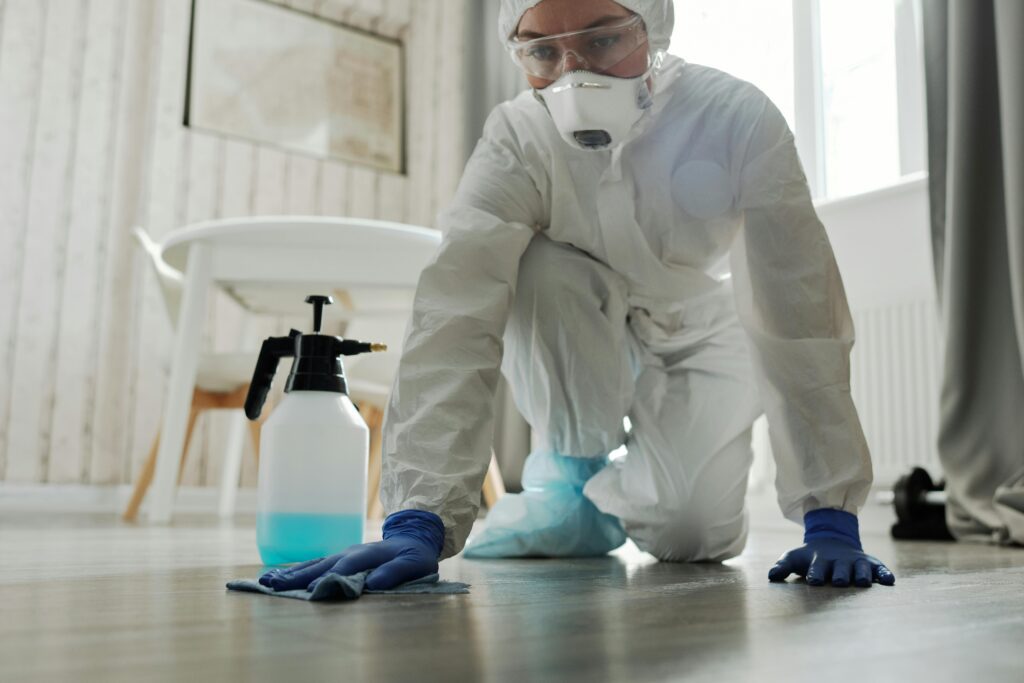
[{"x": 351, "y": 347}]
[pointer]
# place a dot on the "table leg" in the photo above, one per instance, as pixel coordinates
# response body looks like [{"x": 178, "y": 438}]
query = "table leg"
[
  {"x": 232, "y": 467},
  {"x": 181, "y": 382}
]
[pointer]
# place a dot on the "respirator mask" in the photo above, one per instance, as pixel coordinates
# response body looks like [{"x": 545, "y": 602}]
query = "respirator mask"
[{"x": 592, "y": 109}]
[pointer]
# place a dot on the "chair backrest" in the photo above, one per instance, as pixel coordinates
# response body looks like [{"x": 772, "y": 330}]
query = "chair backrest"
[{"x": 170, "y": 279}]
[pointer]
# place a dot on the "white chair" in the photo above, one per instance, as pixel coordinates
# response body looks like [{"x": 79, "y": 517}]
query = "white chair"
[
  {"x": 222, "y": 382},
  {"x": 269, "y": 264}
]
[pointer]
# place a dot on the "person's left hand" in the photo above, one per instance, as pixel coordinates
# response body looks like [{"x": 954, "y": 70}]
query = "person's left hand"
[
  {"x": 829, "y": 559},
  {"x": 832, "y": 552}
]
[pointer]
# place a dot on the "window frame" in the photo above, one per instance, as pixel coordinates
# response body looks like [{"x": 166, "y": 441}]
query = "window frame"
[{"x": 809, "y": 114}]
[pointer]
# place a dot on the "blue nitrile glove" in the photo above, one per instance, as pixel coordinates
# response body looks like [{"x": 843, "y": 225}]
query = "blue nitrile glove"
[
  {"x": 412, "y": 543},
  {"x": 832, "y": 551}
]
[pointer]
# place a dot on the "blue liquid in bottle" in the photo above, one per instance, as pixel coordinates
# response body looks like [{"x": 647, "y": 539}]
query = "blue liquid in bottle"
[{"x": 285, "y": 537}]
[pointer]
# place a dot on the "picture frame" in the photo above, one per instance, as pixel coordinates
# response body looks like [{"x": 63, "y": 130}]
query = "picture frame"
[{"x": 317, "y": 87}]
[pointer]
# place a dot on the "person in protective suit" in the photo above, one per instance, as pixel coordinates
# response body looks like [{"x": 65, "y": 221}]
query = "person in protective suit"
[{"x": 632, "y": 237}]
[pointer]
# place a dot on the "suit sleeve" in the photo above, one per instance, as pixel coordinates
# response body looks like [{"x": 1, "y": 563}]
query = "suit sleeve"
[
  {"x": 439, "y": 424},
  {"x": 792, "y": 304}
]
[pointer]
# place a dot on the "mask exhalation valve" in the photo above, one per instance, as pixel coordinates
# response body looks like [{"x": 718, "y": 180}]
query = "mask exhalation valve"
[{"x": 594, "y": 139}]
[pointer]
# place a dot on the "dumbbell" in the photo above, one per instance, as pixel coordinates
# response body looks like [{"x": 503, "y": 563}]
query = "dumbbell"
[{"x": 920, "y": 506}]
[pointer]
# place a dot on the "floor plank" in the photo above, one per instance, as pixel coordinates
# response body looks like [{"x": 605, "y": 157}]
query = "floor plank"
[{"x": 93, "y": 599}]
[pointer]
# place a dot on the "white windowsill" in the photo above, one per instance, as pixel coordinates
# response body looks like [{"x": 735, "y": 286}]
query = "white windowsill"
[{"x": 911, "y": 182}]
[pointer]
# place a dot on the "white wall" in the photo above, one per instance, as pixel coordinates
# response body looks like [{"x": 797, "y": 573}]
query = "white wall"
[
  {"x": 882, "y": 242},
  {"x": 91, "y": 105}
]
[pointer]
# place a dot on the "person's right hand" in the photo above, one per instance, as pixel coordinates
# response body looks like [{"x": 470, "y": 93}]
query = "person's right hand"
[{"x": 412, "y": 543}]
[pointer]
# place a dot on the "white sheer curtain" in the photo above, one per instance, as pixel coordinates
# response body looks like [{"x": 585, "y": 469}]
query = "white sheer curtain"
[{"x": 493, "y": 78}]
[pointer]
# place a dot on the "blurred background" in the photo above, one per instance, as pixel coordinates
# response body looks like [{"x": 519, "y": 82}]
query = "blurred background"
[{"x": 160, "y": 114}]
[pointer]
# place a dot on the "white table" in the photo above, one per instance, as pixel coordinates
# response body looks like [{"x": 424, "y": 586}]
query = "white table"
[{"x": 269, "y": 264}]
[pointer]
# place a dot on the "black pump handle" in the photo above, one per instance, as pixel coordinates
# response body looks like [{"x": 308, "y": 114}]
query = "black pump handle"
[
  {"x": 273, "y": 350},
  {"x": 318, "y": 301}
]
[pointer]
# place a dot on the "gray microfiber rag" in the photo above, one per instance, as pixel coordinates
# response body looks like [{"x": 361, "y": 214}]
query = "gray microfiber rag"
[{"x": 337, "y": 587}]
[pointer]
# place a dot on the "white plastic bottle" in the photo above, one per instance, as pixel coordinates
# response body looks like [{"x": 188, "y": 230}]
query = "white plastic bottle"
[{"x": 313, "y": 449}]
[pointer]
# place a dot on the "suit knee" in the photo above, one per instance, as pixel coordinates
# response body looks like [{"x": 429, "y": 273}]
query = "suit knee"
[
  {"x": 687, "y": 536},
  {"x": 554, "y": 277}
]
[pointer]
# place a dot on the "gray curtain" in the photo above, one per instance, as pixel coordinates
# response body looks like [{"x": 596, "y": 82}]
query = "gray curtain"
[
  {"x": 974, "y": 63},
  {"x": 492, "y": 78},
  {"x": 491, "y": 75}
]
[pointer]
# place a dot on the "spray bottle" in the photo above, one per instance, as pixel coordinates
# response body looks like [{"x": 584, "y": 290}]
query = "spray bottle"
[{"x": 314, "y": 447}]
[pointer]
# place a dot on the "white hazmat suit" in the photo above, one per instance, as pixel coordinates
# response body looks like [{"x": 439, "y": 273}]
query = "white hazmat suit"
[{"x": 681, "y": 278}]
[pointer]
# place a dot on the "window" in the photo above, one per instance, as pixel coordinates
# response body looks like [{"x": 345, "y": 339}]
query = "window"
[
  {"x": 758, "y": 48},
  {"x": 846, "y": 74}
]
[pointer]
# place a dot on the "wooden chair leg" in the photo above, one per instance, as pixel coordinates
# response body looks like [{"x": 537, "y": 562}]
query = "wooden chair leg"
[
  {"x": 254, "y": 433},
  {"x": 142, "y": 483},
  {"x": 193, "y": 417},
  {"x": 494, "y": 485},
  {"x": 376, "y": 507},
  {"x": 374, "y": 419},
  {"x": 131, "y": 511}
]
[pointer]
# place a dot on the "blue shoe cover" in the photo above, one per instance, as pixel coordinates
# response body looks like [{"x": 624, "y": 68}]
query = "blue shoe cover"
[{"x": 551, "y": 517}]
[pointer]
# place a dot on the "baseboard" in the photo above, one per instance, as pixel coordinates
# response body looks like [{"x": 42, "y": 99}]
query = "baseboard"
[{"x": 83, "y": 498}]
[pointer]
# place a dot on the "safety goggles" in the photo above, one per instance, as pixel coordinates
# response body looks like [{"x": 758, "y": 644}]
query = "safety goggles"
[{"x": 597, "y": 49}]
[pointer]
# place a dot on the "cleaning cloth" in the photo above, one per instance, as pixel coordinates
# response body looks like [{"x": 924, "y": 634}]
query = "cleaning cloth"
[{"x": 337, "y": 587}]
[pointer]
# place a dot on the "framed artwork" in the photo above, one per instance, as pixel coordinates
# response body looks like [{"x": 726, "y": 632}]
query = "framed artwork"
[{"x": 279, "y": 76}]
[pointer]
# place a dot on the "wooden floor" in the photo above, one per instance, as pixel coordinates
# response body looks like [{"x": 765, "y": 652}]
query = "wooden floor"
[{"x": 92, "y": 599}]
